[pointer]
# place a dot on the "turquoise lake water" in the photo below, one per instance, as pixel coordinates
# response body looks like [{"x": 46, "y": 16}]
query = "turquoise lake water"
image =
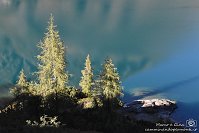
[{"x": 154, "y": 44}]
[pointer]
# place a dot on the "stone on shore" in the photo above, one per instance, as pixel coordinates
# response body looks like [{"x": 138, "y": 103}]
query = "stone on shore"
[{"x": 150, "y": 109}]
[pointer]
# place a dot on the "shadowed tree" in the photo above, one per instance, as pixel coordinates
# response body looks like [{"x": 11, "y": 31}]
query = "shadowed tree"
[
  {"x": 52, "y": 75},
  {"x": 86, "y": 81}
]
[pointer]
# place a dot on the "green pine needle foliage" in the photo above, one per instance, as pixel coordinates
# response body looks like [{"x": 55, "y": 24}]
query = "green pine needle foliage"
[
  {"x": 22, "y": 79},
  {"x": 86, "y": 82},
  {"x": 21, "y": 86},
  {"x": 110, "y": 81},
  {"x": 52, "y": 75}
]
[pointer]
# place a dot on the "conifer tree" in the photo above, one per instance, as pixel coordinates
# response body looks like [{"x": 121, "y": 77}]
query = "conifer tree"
[
  {"x": 52, "y": 75},
  {"x": 86, "y": 81},
  {"x": 110, "y": 81},
  {"x": 21, "y": 86},
  {"x": 22, "y": 79}
]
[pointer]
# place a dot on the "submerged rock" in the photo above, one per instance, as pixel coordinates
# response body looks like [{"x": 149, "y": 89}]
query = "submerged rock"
[{"x": 150, "y": 110}]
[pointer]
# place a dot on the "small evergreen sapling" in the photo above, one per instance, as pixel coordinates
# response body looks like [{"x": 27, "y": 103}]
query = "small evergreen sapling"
[{"x": 21, "y": 86}]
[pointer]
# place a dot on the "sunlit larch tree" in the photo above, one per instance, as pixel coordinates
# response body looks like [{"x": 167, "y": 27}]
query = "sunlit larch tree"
[
  {"x": 86, "y": 82},
  {"x": 52, "y": 75},
  {"x": 110, "y": 81},
  {"x": 21, "y": 86}
]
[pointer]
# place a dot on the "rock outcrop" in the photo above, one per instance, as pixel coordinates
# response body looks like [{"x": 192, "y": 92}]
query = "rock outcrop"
[{"x": 150, "y": 110}]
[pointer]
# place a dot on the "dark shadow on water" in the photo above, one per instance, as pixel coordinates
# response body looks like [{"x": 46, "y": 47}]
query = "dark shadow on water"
[
  {"x": 186, "y": 111},
  {"x": 127, "y": 97},
  {"x": 161, "y": 89}
]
